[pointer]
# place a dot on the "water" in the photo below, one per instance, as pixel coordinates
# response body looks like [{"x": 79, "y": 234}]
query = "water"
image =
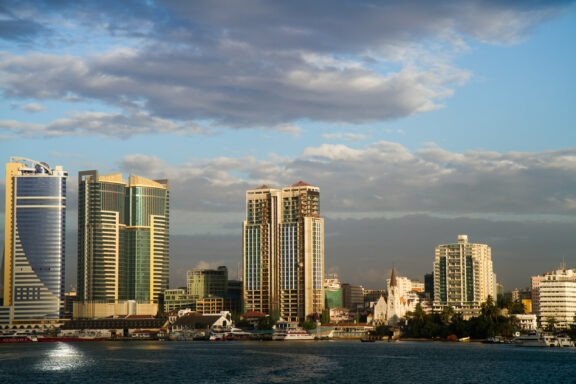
[{"x": 283, "y": 362}]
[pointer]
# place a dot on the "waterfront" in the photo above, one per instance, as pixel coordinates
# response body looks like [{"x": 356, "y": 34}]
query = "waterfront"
[{"x": 283, "y": 362}]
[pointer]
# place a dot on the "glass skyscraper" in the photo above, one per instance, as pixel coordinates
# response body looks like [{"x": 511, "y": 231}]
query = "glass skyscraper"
[
  {"x": 123, "y": 238},
  {"x": 283, "y": 237},
  {"x": 34, "y": 241}
]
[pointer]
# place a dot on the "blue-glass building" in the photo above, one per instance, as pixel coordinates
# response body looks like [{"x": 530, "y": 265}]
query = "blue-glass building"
[{"x": 34, "y": 241}]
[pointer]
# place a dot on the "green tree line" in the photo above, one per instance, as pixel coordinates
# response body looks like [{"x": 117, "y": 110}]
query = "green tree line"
[{"x": 440, "y": 325}]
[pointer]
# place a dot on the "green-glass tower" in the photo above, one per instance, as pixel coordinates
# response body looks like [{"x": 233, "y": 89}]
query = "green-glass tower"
[{"x": 123, "y": 240}]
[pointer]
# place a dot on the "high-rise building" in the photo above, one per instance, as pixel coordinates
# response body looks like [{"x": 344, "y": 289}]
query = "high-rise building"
[
  {"x": 34, "y": 241},
  {"x": 556, "y": 292},
  {"x": 283, "y": 242},
  {"x": 123, "y": 238},
  {"x": 463, "y": 275}
]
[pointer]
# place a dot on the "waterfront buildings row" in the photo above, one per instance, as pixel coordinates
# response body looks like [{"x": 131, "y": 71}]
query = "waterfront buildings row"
[
  {"x": 207, "y": 291},
  {"x": 123, "y": 244}
]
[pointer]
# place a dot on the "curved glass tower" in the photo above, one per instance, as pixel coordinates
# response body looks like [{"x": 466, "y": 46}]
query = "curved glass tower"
[{"x": 34, "y": 240}]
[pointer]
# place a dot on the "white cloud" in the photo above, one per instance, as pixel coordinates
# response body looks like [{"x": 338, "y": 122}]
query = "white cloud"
[
  {"x": 32, "y": 107},
  {"x": 122, "y": 125}
]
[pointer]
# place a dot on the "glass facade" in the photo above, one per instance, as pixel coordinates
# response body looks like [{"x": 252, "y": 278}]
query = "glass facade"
[
  {"x": 124, "y": 238},
  {"x": 36, "y": 243}
]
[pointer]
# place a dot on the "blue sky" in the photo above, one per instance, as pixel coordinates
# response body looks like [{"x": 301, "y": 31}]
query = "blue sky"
[{"x": 452, "y": 112}]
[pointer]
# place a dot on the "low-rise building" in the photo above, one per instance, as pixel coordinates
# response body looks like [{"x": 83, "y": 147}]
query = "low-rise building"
[{"x": 528, "y": 321}]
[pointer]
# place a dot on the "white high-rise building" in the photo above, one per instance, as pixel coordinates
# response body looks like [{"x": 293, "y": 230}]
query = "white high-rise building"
[
  {"x": 557, "y": 297},
  {"x": 283, "y": 242},
  {"x": 463, "y": 275}
]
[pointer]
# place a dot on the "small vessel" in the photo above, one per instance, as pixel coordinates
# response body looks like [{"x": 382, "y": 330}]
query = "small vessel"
[
  {"x": 292, "y": 333},
  {"x": 533, "y": 339},
  {"x": 564, "y": 341},
  {"x": 494, "y": 340}
]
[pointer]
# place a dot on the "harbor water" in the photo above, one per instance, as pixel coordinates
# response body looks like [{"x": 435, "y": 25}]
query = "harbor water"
[{"x": 283, "y": 362}]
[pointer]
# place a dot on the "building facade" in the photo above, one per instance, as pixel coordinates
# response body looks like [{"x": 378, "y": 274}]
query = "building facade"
[
  {"x": 283, "y": 251},
  {"x": 557, "y": 298},
  {"x": 352, "y": 297},
  {"x": 203, "y": 282},
  {"x": 463, "y": 275},
  {"x": 332, "y": 291},
  {"x": 34, "y": 242},
  {"x": 123, "y": 238}
]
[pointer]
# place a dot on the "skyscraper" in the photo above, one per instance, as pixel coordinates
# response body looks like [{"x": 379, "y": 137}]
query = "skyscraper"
[
  {"x": 463, "y": 275},
  {"x": 123, "y": 238},
  {"x": 34, "y": 241},
  {"x": 283, "y": 242}
]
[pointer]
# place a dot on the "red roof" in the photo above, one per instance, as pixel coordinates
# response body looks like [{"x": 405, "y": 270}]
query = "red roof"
[{"x": 300, "y": 184}]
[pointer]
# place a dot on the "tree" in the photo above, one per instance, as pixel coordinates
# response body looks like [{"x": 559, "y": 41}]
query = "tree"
[
  {"x": 516, "y": 307},
  {"x": 266, "y": 323},
  {"x": 309, "y": 325},
  {"x": 325, "y": 318},
  {"x": 490, "y": 310},
  {"x": 446, "y": 314}
]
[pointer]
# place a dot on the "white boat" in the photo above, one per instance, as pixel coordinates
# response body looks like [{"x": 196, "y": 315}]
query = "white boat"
[
  {"x": 535, "y": 339},
  {"x": 564, "y": 341},
  {"x": 291, "y": 334}
]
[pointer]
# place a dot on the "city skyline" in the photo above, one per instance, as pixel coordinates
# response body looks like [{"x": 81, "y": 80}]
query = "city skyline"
[{"x": 419, "y": 121}]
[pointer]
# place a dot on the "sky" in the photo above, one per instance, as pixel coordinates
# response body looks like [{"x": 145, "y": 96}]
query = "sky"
[{"x": 418, "y": 120}]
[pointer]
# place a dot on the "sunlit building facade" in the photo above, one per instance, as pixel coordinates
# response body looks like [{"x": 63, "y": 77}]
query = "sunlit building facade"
[
  {"x": 123, "y": 238},
  {"x": 463, "y": 275},
  {"x": 283, "y": 242},
  {"x": 34, "y": 242}
]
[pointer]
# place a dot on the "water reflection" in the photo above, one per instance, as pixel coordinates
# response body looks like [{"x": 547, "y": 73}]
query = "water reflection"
[{"x": 63, "y": 356}]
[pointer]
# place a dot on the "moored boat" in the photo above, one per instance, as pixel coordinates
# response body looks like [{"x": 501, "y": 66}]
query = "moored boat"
[
  {"x": 291, "y": 334},
  {"x": 18, "y": 338}
]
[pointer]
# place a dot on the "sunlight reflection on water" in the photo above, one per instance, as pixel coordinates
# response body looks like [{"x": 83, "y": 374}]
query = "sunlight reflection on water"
[{"x": 64, "y": 356}]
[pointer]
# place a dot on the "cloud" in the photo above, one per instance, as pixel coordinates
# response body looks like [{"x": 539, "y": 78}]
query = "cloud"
[
  {"x": 254, "y": 63},
  {"x": 32, "y": 107},
  {"x": 380, "y": 180},
  {"x": 121, "y": 125},
  {"x": 344, "y": 136}
]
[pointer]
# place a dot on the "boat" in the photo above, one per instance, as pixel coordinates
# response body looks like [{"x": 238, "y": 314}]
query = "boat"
[
  {"x": 494, "y": 340},
  {"x": 532, "y": 339},
  {"x": 68, "y": 339},
  {"x": 292, "y": 333},
  {"x": 564, "y": 341},
  {"x": 18, "y": 338}
]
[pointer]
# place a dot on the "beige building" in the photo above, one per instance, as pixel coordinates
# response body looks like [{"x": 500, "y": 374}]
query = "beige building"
[
  {"x": 123, "y": 239},
  {"x": 463, "y": 276},
  {"x": 283, "y": 251}
]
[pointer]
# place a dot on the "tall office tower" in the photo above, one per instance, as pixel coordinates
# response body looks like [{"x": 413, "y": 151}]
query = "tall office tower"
[
  {"x": 283, "y": 242},
  {"x": 463, "y": 275},
  {"x": 34, "y": 240},
  {"x": 123, "y": 238}
]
